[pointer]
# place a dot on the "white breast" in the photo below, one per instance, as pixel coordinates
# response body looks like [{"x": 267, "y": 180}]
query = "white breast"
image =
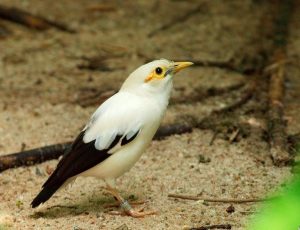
[{"x": 133, "y": 112}]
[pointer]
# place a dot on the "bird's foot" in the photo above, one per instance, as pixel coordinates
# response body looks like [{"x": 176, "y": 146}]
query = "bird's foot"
[
  {"x": 129, "y": 211},
  {"x": 126, "y": 207}
]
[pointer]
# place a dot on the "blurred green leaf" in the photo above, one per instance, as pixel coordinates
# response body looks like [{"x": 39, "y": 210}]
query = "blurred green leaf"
[{"x": 283, "y": 213}]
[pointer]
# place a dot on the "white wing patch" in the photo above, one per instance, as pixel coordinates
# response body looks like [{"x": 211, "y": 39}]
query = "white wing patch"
[
  {"x": 113, "y": 119},
  {"x": 103, "y": 141}
]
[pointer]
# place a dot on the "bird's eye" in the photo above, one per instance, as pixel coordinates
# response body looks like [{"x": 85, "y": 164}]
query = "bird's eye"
[{"x": 158, "y": 70}]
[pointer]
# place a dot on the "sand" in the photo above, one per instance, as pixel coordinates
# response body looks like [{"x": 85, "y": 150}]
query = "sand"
[{"x": 40, "y": 85}]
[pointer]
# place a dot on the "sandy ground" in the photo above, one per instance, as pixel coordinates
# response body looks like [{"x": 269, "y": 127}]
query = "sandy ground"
[{"x": 40, "y": 84}]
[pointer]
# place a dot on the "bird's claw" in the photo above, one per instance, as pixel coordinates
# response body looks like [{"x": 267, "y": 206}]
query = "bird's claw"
[
  {"x": 139, "y": 214},
  {"x": 129, "y": 211}
]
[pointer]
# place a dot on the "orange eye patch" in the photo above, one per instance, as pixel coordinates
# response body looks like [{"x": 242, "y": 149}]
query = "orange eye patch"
[{"x": 158, "y": 73}]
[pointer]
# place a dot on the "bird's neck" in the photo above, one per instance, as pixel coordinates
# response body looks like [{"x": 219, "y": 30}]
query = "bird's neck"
[{"x": 160, "y": 95}]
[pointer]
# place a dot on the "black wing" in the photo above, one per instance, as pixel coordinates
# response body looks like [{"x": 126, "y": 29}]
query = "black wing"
[{"x": 79, "y": 158}]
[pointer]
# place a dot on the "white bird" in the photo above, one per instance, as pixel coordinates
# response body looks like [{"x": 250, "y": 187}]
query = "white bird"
[{"x": 118, "y": 132}]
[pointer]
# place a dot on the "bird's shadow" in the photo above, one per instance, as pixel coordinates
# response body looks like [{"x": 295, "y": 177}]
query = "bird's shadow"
[{"x": 92, "y": 204}]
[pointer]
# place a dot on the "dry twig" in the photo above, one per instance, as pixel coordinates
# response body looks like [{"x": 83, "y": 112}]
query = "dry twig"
[
  {"x": 39, "y": 155},
  {"x": 200, "y": 94},
  {"x": 215, "y": 226},
  {"x": 177, "y": 20},
  {"x": 31, "y": 157},
  {"x": 32, "y": 21},
  {"x": 234, "y": 135},
  {"x": 213, "y": 138},
  {"x": 99, "y": 63},
  {"x": 225, "y": 65},
  {"x": 96, "y": 98},
  {"x": 220, "y": 200},
  {"x": 276, "y": 124},
  {"x": 101, "y": 7},
  {"x": 243, "y": 98}
]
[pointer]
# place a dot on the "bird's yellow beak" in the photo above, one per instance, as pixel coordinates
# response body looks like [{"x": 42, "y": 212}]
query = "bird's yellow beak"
[{"x": 181, "y": 65}]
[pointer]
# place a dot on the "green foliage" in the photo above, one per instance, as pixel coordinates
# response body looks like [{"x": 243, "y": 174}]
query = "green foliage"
[{"x": 281, "y": 213}]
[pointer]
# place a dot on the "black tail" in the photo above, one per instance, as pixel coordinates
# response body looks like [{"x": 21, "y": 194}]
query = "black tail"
[{"x": 45, "y": 194}]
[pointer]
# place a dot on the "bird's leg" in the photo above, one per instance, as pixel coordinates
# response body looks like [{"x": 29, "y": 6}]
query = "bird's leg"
[{"x": 125, "y": 206}]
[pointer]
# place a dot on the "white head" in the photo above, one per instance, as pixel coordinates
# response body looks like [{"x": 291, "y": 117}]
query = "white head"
[{"x": 153, "y": 78}]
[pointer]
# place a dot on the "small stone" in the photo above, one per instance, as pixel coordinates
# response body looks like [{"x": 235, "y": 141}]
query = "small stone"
[
  {"x": 38, "y": 82},
  {"x": 203, "y": 159},
  {"x": 205, "y": 203},
  {"x": 230, "y": 209},
  {"x": 76, "y": 228},
  {"x": 38, "y": 172}
]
